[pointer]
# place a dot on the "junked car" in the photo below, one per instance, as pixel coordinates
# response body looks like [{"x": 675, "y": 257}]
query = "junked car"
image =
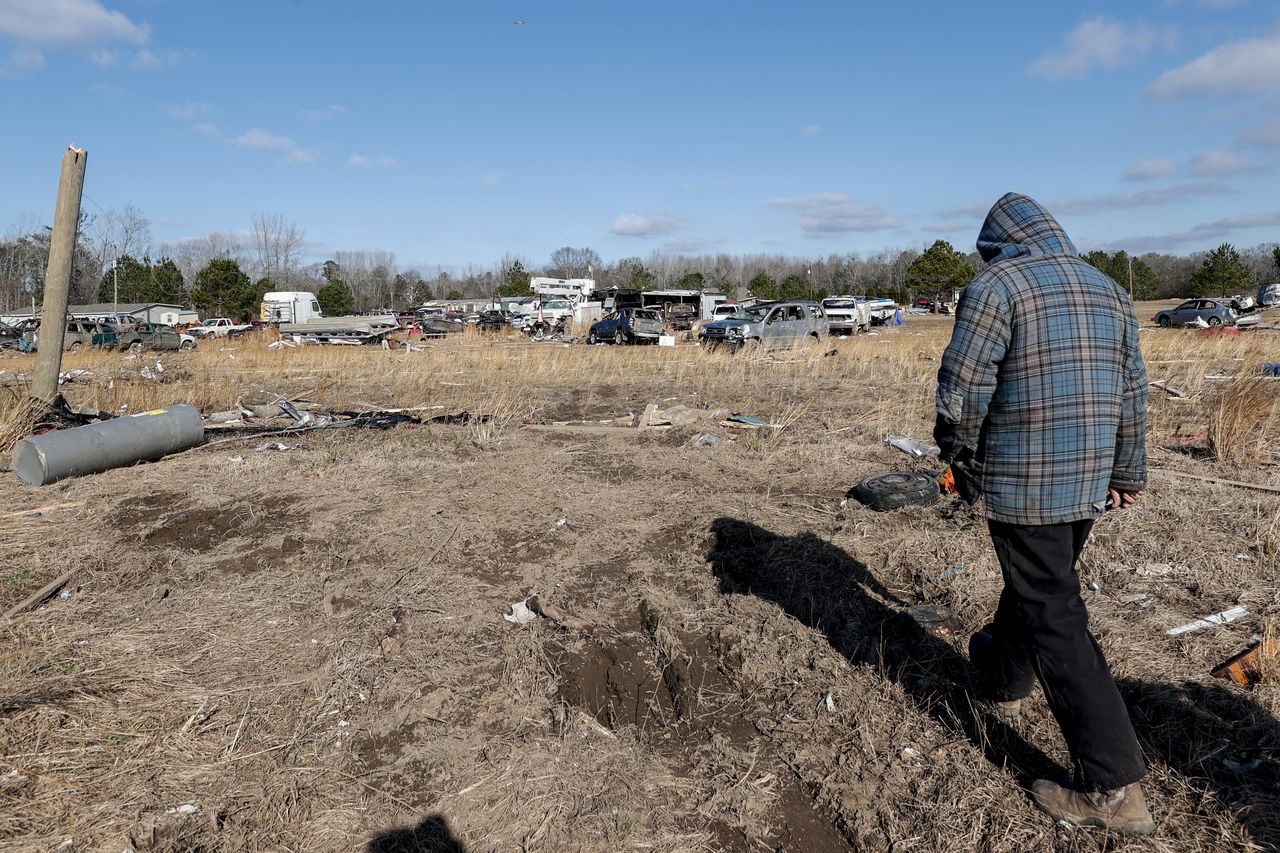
[
  {"x": 846, "y": 315},
  {"x": 10, "y": 338},
  {"x": 627, "y": 326},
  {"x": 80, "y": 333},
  {"x": 142, "y": 336},
  {"x": 769, "y": 324},
  {"x": 494, "y": 321},
  {"x": 1212, "y": 312}
]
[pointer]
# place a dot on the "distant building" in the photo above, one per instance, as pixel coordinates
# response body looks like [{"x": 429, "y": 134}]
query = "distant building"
[{"x": 149, "y": 312}]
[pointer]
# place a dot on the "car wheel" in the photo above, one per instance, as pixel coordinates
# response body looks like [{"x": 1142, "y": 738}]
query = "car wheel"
[
  {"x": 884, "y": 492},
  {"x": 1215, "y": 321},
  {"x": 75, "y": 345},
  {"x": 1165, "y": 322},
  {"x": 187, "y": 346},
  {"x": 619, "y": 337},
  {"x": 136, "y": 346},
  {"x": 591, "y": 337}
]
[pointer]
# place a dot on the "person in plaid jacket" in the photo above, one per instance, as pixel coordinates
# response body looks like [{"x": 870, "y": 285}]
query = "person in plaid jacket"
[{"x": 1042, "y": 411}]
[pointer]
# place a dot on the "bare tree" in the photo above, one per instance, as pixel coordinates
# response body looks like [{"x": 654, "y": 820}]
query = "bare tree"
[
  {"x": 370, "y": 273},
  {"x": 194, "y": 253},
  {"x": 568, "y": 262},
  {"x": 116, "y": 233},
  {"x": 277, "y": 244}
]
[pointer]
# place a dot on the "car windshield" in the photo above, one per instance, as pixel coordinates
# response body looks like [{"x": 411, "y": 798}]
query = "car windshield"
[
  {"x": 755, "y": 312},
  {"x": 645, "y": 315}
]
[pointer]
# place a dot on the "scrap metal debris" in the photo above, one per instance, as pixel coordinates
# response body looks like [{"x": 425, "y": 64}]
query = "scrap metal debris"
[
  {"x": 1254, "y": 664},
  {"x": 1209, "y": 621},
  {"x": 933, "y": 619},
  {"x": 911, "y": 447}
]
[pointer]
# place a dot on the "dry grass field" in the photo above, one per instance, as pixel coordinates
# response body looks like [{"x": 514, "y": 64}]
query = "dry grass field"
[{"x": 304, "y": 649}]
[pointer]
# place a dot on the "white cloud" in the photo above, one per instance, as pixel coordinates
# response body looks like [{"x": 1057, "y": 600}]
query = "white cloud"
[
  {"x": 23, "y": 59},
  {"x": 189, "y": 111},
  {"x": 1221, "y": 164},
  {"x": 1236, "y": 68},
  {"x": 1202, "y": 233},
  {"x": 72, "y": 23},
  {"x": 330, "y": 112},
  {"x": 634, "y": 225},
  {"x": 968, "y": 211},
  {"x": 491, "y": 179},
  {"x": 1145, "y": 198},
  {"x": 107, "y": 90},
  {"x": 156, "y": 60},
  {"x": 1149, "y": 170},
  {"x": 1263, "y": 136},
  {"x": 1097, "y": 43},
  {"x": 368, "y": 161},
  {"x": 262, "y": 139},
  {"x": 825, "y": 214},
  {"x": 206, "y": 128},
  {"x": 811, "y": 129}
]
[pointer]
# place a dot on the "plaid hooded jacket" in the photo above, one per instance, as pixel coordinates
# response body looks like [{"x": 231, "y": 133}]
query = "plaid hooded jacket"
[{"x": 1043, "y": 381}]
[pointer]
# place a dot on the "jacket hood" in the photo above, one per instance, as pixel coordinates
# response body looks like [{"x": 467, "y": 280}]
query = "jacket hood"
[{"x": 1019, "y": 225}]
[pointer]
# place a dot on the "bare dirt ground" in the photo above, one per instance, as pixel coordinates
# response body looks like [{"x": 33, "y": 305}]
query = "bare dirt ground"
[{"x": 305, "y": 649}]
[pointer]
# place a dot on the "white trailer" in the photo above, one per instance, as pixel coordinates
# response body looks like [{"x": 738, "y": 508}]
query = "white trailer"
[
  {"x": 289, "y": 306},
  {"x": 573, "y": 289}
]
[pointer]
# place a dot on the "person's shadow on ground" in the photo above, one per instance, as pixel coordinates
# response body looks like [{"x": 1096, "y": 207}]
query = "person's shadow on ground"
[
  {"x": 433, "y": 835},
  {"x": 827, "y": 589},
  {"x": 1191, "y": 728},
  {"x": 1220, "y": 741}
]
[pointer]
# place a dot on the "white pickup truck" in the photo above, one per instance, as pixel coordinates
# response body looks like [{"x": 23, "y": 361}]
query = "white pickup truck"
[
  {"x": 846, "y": 315},
  {"x": 218, "y": 327}
]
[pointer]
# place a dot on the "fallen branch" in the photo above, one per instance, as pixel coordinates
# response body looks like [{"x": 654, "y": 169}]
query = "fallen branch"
[
  {"x": 43, "y": 594},
  {"x": 1259, "y": 486}
]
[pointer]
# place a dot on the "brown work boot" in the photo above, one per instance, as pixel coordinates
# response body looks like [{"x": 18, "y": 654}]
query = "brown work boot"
[
  {"x": 1007, "y": 711},
  {"x": 1122, "y": 810}
]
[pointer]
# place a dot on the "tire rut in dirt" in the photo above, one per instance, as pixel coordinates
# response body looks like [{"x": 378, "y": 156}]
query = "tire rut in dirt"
[{"x": 677, "y": 688}]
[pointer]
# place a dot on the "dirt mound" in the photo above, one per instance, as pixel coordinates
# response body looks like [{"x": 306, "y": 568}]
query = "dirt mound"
[
  {"x": 168, "y": 520},
  {"x": 677, "y": 688}
]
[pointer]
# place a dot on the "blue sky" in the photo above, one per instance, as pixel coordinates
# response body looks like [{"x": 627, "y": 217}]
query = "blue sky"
[{"x": 450, "y": 134}]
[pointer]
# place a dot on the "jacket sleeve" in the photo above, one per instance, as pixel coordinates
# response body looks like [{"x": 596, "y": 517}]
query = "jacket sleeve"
[
  {"x": 1129, "y": 473},
  {"x": 967, "y": 378}
]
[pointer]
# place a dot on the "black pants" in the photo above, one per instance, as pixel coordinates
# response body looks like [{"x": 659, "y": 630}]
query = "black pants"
[{"x": 1041, "y": 630}]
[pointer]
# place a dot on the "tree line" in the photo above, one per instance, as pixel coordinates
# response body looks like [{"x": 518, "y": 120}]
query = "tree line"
[{"x": 226, "y": 273}]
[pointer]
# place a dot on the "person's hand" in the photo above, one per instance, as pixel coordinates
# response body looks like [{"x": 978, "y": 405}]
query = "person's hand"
[{"x": 1119, "y": 499}]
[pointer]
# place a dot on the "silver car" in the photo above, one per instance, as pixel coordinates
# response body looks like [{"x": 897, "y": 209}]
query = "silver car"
[
  {"x": 769, "y": 324},
  {"x": 1213, "y": 312}
]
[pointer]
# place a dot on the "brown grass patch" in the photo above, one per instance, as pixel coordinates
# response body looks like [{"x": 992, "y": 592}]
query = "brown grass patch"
[{"x": 1244, "y": 420}]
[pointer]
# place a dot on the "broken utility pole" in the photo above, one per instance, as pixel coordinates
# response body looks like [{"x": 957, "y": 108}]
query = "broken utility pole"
[{"x": 57, "y": 278}]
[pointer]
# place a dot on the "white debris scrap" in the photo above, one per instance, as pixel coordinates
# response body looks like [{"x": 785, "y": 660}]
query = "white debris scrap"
[
  {"x": 520, "y": 613},
  {"x": 1209, "y": 621}
]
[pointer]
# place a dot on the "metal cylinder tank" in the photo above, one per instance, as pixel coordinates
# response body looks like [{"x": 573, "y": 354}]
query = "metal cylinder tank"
[{"x": 145, "y": 437}]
